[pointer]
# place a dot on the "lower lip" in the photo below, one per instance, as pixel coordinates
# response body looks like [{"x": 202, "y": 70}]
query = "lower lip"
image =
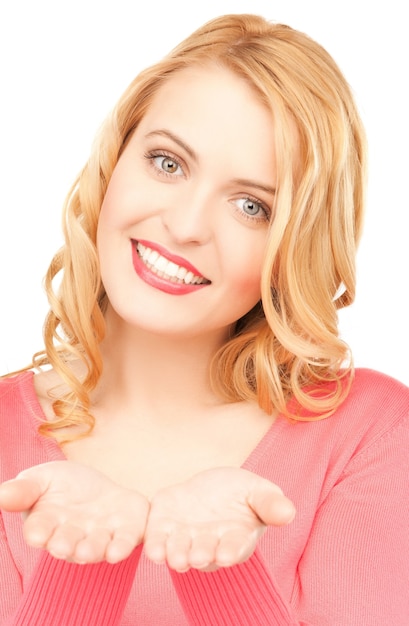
[{"x": 152, "y": 279}]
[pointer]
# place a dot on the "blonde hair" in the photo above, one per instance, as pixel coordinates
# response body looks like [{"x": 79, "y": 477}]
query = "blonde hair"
[{"x": 288, "y": 344}]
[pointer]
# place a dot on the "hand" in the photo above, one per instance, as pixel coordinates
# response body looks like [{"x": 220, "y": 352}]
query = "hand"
[
  {"x": 214, "y": 519},
  {"x": 76, "y": 513}
]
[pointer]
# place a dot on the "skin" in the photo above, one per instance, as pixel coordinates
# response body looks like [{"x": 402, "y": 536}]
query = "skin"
[
  {"x": 198, "y": 211},
  {"x": 212, "y": 520},
  {"x": 196, "y": 179}
]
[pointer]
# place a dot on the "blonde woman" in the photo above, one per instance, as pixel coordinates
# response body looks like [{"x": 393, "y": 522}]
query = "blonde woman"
[{"x": 193, "y": 445}]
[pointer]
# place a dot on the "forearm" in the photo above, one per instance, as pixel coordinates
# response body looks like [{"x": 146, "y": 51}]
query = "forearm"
[
  {"x": 76, "y": 595},
  {"x": 242, "y": 595}
]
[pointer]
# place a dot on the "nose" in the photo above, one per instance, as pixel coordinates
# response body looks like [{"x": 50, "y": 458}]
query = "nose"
[{"x": 189, "y": 215}]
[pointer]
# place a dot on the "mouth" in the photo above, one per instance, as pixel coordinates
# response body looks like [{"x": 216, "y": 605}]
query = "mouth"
[{"x": 166, "y": 269}]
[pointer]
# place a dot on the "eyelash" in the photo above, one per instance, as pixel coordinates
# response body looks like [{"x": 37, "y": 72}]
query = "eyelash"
[
  {"x": 151, "y": 156},
  {"x": 254, "y": 218},
  {"x": 154, "y": 154}
]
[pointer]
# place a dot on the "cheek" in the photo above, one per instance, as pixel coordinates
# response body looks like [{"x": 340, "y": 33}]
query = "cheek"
[
  {"x": 117, "y": 208},
  {"x": 127, "y": 199},
  {"x": 247, "y": 275},
  {"x": 110, "y": 212},
  {"x": 248, "y": 287},
  {"x": 105, "y": 226}
]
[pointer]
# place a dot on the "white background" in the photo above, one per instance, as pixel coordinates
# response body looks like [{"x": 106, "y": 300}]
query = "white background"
[{"x": 64, "y": 65}]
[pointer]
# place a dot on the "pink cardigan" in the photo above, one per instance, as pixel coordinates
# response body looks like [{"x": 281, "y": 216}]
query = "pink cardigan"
[{"x": 344, "y": 561}]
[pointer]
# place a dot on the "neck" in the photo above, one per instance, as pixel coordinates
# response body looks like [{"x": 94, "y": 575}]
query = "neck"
[{"x": 146, "y": 370}]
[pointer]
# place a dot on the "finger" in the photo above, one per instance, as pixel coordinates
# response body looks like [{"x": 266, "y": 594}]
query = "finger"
[
  {"x": 203, "y": 550},
  {"x": 19, "y": 494},
  {"x": 38, "y": 528},
  {"x": 155, "y": 546},
  {"x": 123, "y": 542},
  {"x": 270, "y": 504},
  {"x": 235, "y": 546},
  {"x": 64, "y": 540},
  {"x": 177, "y": 551},
  {"x": 91, "y": 549}
]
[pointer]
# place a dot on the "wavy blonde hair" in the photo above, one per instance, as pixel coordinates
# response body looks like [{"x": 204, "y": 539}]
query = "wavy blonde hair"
[{"x": 288, "y": 344}]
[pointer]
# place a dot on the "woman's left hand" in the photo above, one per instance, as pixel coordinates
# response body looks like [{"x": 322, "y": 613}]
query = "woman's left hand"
[{"x": 214, "y": 519}]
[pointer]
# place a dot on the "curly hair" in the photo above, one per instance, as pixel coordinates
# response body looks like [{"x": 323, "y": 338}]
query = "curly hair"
[{"x": 286, "y": 346}]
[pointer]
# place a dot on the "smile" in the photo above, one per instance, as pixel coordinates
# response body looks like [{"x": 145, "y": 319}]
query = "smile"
[{"x": 166, "y": 269}]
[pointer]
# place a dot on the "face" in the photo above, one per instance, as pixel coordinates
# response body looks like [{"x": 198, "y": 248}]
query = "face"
[{"x": 184, "y": 221}]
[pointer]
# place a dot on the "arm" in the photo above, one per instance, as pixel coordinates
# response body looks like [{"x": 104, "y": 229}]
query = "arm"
[
  {"x": 242, "y": 595},
  {"x": 359, "y": 544},
  {"x": 78, "y": 515},
  {"x": 355, "y": 566},
  {"x": 10, "y": 580},
  {"x": 212, "y": 523},
  {"x": 66, "y": 593}
]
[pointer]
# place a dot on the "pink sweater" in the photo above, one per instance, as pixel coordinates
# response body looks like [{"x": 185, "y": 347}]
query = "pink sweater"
[{"x": 344, "y": 561}]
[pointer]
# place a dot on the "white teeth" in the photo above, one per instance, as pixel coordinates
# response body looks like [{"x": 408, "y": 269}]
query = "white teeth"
[
  {"x": 167, "y": 269},
  {"x": 160, "y": 264},
  {"x": 171, "y": 269},
  {"x": 150, "y": 255},
  {"x": 181, "y": 273}
]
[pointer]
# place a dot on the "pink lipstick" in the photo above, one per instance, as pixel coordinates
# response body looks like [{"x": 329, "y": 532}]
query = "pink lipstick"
[{"x": 165, "y": 271}]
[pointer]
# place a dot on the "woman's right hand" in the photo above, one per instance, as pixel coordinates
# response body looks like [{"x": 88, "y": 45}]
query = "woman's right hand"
[{"x": 76, "y": 513}]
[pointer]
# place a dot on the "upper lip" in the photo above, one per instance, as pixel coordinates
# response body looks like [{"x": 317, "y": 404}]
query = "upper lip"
[{"x": 178, "y": 260}]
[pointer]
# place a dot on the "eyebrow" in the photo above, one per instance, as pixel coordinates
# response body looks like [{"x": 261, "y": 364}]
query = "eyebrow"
[
  {"x": 162, "y": 132},
  {"x": 252, "y": 183}
]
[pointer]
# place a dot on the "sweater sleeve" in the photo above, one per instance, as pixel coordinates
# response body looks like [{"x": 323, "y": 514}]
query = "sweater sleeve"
[
  {"x": 355, "y": 566},
  {"x": 75, "y": 595},
  {"x": 10, "y": 580},
  {"x": 242, "y": 595}
]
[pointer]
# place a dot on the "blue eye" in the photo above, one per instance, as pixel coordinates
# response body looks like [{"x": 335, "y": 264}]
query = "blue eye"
[
  {"x": 253, "y": 208},
  {"x": 250, "y": 207}
]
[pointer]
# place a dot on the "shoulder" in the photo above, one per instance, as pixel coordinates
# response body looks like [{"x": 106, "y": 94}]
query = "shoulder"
[
  {"x": 16, "y": 423},
  {"x": 17, "y": 401},
  {"x": 21, "y": 445},
  {"x": 376, "y": 408},
  {"x": 368, "y": 434},
  {"x": 374, "y": 391},
  {"x": 13, "y": 388},
  {"x": 374, "y": 382}
]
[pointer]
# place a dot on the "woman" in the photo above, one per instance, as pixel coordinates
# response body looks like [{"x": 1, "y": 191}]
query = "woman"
[{"x": 196, "y": 374}]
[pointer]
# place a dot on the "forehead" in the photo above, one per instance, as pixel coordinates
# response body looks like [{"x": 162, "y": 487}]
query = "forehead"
[
  {"x": 206, "y": 81},
  {"x": 211, "y": 103}
]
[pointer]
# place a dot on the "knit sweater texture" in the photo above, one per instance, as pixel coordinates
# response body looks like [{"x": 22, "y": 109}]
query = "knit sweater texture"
[{"x": 343, "y": 561}]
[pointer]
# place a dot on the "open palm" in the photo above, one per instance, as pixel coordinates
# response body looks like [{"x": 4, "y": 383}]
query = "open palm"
[
  {"x": 76, "y": 513},
  {"x": 214, "y": 519}
]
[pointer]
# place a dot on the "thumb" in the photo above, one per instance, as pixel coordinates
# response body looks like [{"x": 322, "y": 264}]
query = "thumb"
[
  {"x": 270, "y": 504},
  {"x": 19, "y": 494}
]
